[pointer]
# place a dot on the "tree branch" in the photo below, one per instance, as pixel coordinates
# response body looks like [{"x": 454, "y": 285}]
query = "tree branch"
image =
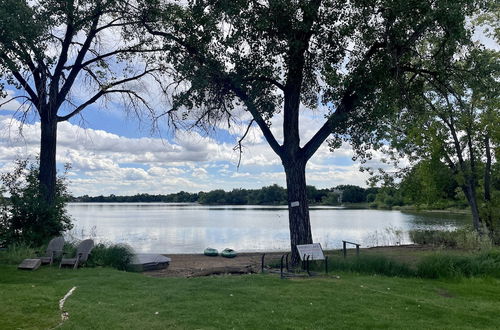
[
  {"x": 239, "y": 145},
  {"x": 78, "y": 61},
  {"x": 63, "y": 57},
  {"x": 259, "y": 120},
  {"x": 20, "y": 79},
  {"x": 267, "y": 79},
  {"x": 346, "y": 105},
  {"x": 14, "y": 98},
  {"x": 106, "y": 90}
]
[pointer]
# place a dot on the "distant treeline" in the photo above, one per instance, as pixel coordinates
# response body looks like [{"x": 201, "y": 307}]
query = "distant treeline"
[
  {"x": 271, "y": 195},
  {"x": 428, "y": 185}
]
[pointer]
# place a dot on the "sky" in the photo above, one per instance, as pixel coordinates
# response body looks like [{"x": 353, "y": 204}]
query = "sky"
[{"x": 111, "y": 152}]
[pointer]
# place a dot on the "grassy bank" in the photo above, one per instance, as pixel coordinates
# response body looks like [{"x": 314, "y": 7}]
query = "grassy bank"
[{"x": 110, "y": 299}]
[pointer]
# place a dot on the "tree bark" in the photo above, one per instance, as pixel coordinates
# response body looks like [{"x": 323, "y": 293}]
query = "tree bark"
[
  {"x": 298, "y": 208},
  {"x": 487, "y": 184},
  {"x": 469, "y": 190},
  {"x": 48, "y": 144}
]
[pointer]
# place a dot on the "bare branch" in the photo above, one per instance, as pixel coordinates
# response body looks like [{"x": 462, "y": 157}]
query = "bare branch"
[
  {"x": 20, "y": 79},
  {"x": 104, "y": 91},
  {"x": 78, "y": 61},
  {"x": 239, "y": 146},
  {"x": 277, "y": 148},
  {"x": 14, "y": 98}
]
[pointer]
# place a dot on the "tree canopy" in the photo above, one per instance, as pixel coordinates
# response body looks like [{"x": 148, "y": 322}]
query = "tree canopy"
[
  {"x": 65, "y": 55},
  {"x": 279, "y": 57},
  {"x": 454, "y": 119}
]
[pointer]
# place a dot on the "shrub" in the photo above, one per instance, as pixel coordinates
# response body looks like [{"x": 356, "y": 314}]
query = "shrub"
[
  {"x": 25, "y": 217},
  {"x": 116, "y": 255},
  {"x": 446, "y": 266}
]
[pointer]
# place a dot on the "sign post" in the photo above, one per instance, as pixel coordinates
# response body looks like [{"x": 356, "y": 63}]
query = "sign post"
[
  {"x": 309, "y": 252},
  {"x": 313, "y": 251}
]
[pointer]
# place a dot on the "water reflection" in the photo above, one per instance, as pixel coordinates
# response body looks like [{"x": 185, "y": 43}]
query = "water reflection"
[{"x": 190, "y": 228}]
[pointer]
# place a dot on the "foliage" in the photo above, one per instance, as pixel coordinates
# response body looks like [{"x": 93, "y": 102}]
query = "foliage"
[
  {"x": 445, "y": 265},
  {"x": 268, "y": 195},
  {"x": 117, "y": 256},
  {"x": 180, "y": 197},
  {"x": 379, "y": 265},
  {"x": 331, "y": 198},
  {"x": 352, "y": 194},
  {"x": 16, "y": 252},
  {"x": 451, "y": 122},
  {"x": 26, "y": 217},
  {"x": 463, "y": 238},
  {"x": 282, "y": 57},
  {"x": 316, "y": 196},
  {"x": 388, "y": 197},
  {"x": 430, "y": 182},
  {"x": 48, "y": 48}
]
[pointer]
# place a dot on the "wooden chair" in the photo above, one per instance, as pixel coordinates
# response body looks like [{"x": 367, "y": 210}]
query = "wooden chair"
[
  {"x": 54, "y": 250},
  {"x": 82, "y": 254}
]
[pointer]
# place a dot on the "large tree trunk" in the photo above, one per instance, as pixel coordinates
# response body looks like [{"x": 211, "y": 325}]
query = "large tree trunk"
[
  {"x": 487, "y": 185},
  {"x": 298, "y": 208},
  {"x": 469, "y": 190},
  {"x": 48, "y": 143}
]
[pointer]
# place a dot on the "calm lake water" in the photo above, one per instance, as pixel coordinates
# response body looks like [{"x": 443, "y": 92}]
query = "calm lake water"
[{"x": 190, "y": 228}]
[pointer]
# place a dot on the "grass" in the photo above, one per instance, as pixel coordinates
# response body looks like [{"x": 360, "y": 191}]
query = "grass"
[
  {"x": 17, "y": 253},
  {"x": 109, "y": 299},
  {"x": 402, "y": 262},
  {"x": 463, "y": 238}
]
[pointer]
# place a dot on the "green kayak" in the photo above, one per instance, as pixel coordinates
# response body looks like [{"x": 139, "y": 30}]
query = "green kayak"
[
  {"x": 228, "y": 253},
  {"x": 211, "y": 252}
]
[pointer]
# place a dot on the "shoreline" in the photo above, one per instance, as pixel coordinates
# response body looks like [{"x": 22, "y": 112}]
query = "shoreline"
[
  {"x": 193, "y": 265},
  {"x": 348, "y": 206}
]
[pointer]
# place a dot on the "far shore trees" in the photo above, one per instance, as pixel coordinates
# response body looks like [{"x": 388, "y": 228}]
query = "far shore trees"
[
  {"x": 50, "y": 47},
  {"x": 283, "y": 57}
]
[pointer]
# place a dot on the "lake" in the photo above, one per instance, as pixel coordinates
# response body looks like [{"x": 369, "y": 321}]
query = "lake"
[{"x": 190, "y": 228}]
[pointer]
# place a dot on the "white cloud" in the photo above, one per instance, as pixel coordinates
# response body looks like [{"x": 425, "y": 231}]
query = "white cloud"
[
  {"x": 104, "y": 163},
  {"x": 200, "y": 173}
]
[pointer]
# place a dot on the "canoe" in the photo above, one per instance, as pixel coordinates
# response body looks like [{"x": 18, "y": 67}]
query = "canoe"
[
  {"x": 228, "y": 253},
  {"x": 144, "y": 262},
  {"x": 211, "y": 252}
]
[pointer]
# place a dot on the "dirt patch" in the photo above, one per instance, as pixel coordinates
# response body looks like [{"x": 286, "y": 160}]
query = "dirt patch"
[{"x": 190, "y": 265}]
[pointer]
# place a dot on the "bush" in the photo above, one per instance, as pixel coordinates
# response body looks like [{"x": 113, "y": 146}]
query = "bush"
[
  {"x": 25, "y": 217},
  {"x": 448, "y": 266},
  {"x": 116, "y": 255}
]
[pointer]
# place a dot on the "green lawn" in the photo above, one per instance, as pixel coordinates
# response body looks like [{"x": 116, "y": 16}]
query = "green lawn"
[{"x": 110, "y": 299}]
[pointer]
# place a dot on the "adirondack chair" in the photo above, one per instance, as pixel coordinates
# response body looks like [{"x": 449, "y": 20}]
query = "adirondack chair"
[
  {"x": 82, "y": 254},
  {"x": 54, "y": 250}
]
